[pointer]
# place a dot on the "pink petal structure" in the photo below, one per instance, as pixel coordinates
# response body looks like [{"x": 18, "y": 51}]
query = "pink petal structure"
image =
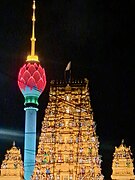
[
  {"x": 32, "y": 69},
  {"x": 26, "y": 75},
  {"x": 33, "y": 76},
  {"x": 31, "y": 83},
  {"x": 40, "y": 69},
  {"x": 23, "y": 69},
  {"x": 36, "y": 66},
  {"x": 36, "y": 76},
  {"x": 40, "y": 85},
  {"x": 21, "y": 83}
]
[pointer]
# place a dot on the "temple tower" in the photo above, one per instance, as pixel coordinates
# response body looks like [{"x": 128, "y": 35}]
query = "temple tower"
[
  {"x": 122, "y": 166},
  {"x": 68, "y": 145},
  {"x": 12, "y": 165},
  {"x": 32, "y": 82}
]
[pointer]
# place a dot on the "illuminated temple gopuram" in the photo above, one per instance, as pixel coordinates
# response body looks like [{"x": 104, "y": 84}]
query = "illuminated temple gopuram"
[
  {"x": 122, "y": 166},
  {"x": 68, "y": 145},
  {"x": 12, "y": 165}
]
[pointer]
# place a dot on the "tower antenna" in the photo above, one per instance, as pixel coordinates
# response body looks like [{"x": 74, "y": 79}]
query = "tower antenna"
[{"x": 33, "y": 56}]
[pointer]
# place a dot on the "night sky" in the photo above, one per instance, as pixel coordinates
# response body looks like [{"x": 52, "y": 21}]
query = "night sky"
[{"x": 98, "y": 37}]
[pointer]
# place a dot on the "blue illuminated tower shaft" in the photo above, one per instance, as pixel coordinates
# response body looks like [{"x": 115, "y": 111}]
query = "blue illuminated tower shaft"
[
  {"x": 30, "y": 141},
  {"x": 32, "y": 82}
]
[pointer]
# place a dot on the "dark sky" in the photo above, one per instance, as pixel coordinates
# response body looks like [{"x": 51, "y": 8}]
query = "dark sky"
[{"x": 98, "y": 37}]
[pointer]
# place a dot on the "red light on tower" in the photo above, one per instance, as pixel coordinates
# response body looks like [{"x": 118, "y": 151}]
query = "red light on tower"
[{"x": 31, "y": 78}]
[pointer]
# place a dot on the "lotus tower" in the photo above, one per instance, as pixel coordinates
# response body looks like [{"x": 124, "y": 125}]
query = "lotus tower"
[{"x": 32, "y": 82}]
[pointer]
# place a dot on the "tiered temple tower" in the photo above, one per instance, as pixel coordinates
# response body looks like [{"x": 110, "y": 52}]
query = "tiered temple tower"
[
  {"x": 122, "y": 166},
  {"x": 32, "y": 82},
  {"x": 12, "y": 165},
  {"x": 68, "y": 145}
]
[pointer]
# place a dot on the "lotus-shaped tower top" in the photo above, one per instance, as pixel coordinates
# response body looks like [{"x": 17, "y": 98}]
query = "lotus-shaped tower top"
[{"x": 32, "y": 78}]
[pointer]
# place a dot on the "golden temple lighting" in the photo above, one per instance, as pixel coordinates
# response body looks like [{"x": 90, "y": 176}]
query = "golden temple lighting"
[
  {"x": 122, "y": 166},
  {"x": 68, "y": 144},
  {"x": 12, "y": 165}
]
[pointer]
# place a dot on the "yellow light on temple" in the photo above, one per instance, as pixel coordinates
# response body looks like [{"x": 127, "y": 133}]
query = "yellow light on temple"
[
  {"x": 70, "y": 142},
  {"x": 122, "y": 166}
]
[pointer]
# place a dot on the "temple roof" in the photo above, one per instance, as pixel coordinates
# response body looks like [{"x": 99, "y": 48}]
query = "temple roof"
[
  {"x": 13, "y": 162},
  {"x": 122, "y": 151}
]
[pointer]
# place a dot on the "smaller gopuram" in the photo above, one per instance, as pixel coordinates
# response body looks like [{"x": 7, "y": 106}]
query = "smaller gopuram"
[
  {"x": 12, "y": 165},
  {"x": 122, "y": 165}
]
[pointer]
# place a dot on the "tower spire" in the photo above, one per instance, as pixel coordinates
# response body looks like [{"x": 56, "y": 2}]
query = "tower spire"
[
  {"x": 33, "y": 56},
  {"x": 32, "y": 82}
]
